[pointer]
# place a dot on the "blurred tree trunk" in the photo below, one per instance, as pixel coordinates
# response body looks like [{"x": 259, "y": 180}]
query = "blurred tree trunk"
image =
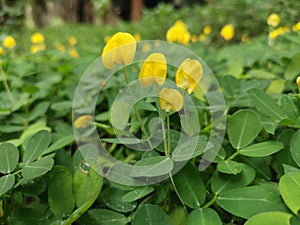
[
  {"x": 73, "y": 11},
  {"x": 12, "y": 12},
  {"x": 39, "y": 12},
  {"x": 136, "y": 10}
]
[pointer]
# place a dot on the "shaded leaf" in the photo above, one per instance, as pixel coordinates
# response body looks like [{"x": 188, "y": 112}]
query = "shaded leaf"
[{"x": 9, "y": 157}]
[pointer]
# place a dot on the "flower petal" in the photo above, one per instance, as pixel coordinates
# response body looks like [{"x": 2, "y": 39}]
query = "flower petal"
[{"x": 170, "y": 100}]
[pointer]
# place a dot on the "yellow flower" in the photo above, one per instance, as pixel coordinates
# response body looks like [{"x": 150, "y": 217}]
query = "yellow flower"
[
  {"x": 245, "y": 38},
  {"x": 1, "y": 51},
  {"x": 83, "y": 121},
  {"x": 189, "y": 74},
  {"x": 73, "y": 53},
  {"x": 273, "y": 34},
  {"x": 37, "y": 38},
  {"x": 273, "y": 20},
  {"x": 296, "y": 27},
  {"x": 37, "y": 47},
  {"x": 120, "y": 49},
  {"x": 194, "y": 38},
  {"x": 178, "y": 33},
  {"x": 9, "y": 42},
  {"x": 170, "y": 100},
  {"x": 279, "y": 31},
  {"x": 227, "y": 32},
  {"x": 72, "y": 40},
  {"x": 153, "y": 70},
  {"x": 60, "y": 48},
  {"x": 298, "y": 81},
  {"x": 207, "y": 30},
  {"x": 137, "y": 37},
  {"x": 146, "y": 47},
  {"x": 202, "y": 37}
]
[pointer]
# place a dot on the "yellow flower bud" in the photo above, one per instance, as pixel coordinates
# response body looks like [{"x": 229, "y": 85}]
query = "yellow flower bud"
[
  {"x": 73, "y": 53},
  {"x": 207, "y": 30},
  {"x": 72, "y": 40},
  {"x": 298, "y": 81},
  {"x": 189, "y": 74},
  {"x": 37, "y": 38},
  {"x": 273, "y": 20},
  {"x": 227, "y": 32},
  {"x": 83, "y": 121},
  {"x": 9, "y": 42},
  {"x": 170, "y": 100},
  {"x": 153, "y": 70},
  {"x": 120, "y": 49}
]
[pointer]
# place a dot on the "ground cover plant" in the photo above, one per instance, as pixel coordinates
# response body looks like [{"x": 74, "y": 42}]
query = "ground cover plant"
[{"x": 199, "y": 125}]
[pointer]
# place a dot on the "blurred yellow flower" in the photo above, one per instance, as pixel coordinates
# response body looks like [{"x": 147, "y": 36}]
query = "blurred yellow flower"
[
  {"x": 202, "y": 37},
  {"x": 298, "y": 81},
  {"x": 60, "y": 48},
  {"x": 227, "y": 32},
  {"x": 296, "y": 27},
  {"x": 178, "y": 33},
  {"x": 120, "y": 49},
  {"x": 273, "y": 20},
  {"x": 194, "y": 38},
  {"x": 9, "y": 42},
  {"x": 137, "y": 37},
  {"x": 170, "y": 100},
  {"x": 146, "y": 47},
  {"x": 245, "y": 38},
  {"x": 279, "y": 31},
  {"x": 154, "y": 70},
  {"x": 37, "y": 38},
  {"x": 73, "y": 53},
  {"x": 189, "y": 74},
  {"x": 37, "y": 47},
  {"x": 1, "y": 51},
  {"x": 207, "y": 30},
  {"x": 72, "y": 40},
  {"x": 83, "y": 121}
]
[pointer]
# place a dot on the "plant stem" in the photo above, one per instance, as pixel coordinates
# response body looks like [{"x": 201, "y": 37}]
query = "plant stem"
[
  {"x": 12, "y": 100},
  {"x": 175, "y": 189},
  {"x": 136, "y": 110},
  {"x": 169, "y": 136},
  {"x": 233, "y": 155},
  {"x": 212, "y": 201}
]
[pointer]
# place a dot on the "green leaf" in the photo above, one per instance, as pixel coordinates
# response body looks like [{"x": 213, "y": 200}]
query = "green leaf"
[
  {"x": 60, "y": 143},
  {"x": 6, "y": 183},
  {"x": 223, "y": 182},
  {"x": 294, "y": 147},
  {"x": 86, "y": 180},
  {"x": 262, "y": 149},
  {"x": 229, "y": 167},
  {"x": 150, "y": 215},
  {"x": 37, "y": 168},
  {"x": 137, "y": 193},
  {"x": 36, "y": 145},
  {"x": 60, "y": 193},
  {"x": 292, "y": 69},
  {"x": 152, "y": 167},
  {"x": 9, "y": 157},
  {"x": 39, "y": 110},
  {"x": 274, "y": 218},
  {"x": 245, "y": 202},
  {"x": 190, "y": 186},
  {"x": 243, "y": 127},
  {"x": 112, "y": 197},
  {"x": 289, "y": 186},
  {"x": 178, "y": 216},
  {"x": 204, "y": 216},
  {"x": 288, "y": 168},
  {"x": 266, "y": 104},
  {"x": 103, "y": 217},
  {"x": 261, "y": 74}
]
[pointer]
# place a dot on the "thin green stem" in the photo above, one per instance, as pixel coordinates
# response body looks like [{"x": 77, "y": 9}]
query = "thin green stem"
[
  {"x": 164, "y": 134},
  {"x": 233, "y": 155},
  {"x": 169, "y": 136},
  {"x": 6, "y": 86},
  {"x": 176, "y": 191},
  {"x": 212, "y": 201},
  {"x": 136, "y": 110}
]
